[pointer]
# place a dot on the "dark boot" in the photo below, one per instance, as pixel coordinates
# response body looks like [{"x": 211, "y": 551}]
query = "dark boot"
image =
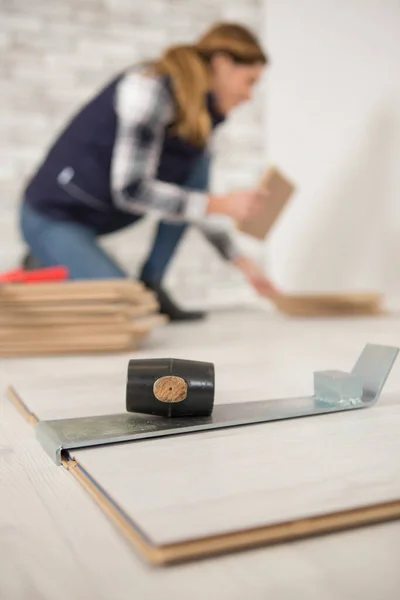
[
  {"x": 169, "y": 308},
  {"x": 29, "y": 262}
]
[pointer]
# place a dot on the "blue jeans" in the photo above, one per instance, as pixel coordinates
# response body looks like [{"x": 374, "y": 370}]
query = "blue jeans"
[{"x": 56, "y": 242}]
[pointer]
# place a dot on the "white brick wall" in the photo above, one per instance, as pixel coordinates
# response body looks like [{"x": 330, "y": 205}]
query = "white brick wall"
[{"x": 53, "y": 55}]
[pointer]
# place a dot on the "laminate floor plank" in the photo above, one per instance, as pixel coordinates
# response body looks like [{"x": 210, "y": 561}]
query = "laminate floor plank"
[
  {"x": 217, "y": 482},
  {"x": 56, "y": 543}
]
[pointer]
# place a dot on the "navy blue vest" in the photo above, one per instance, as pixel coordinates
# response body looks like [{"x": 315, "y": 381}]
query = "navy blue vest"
[{"x": 85, "y": 146}]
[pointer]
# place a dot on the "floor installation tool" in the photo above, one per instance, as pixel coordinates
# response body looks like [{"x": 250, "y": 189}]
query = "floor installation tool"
[
  {"x": 168, "y": 397},
  {"x": 179, "y": 397}
]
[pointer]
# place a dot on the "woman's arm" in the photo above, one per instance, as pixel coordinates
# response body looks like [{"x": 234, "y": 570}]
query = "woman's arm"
[
  {"x": 221, "y": 238},
  {"x": 256, "y": 277},
  {"x": 143, "y": 109},
  {"x": 227, "y": 247}
]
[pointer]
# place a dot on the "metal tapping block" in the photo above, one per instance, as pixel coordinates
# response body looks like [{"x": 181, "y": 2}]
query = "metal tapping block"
[{"x": 158, "y": 389}]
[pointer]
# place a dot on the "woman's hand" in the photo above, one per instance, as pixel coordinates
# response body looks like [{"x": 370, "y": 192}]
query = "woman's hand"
[
  {"x": 241, "y": 205},
  {"x": 256, "y": 277}
]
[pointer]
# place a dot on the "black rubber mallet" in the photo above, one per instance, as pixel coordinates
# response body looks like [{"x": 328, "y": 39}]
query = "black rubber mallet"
[{"x": 170, "y": 387}]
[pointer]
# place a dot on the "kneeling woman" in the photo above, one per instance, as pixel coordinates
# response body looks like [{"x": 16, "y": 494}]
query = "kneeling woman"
[{"x": 142, "y": 144}]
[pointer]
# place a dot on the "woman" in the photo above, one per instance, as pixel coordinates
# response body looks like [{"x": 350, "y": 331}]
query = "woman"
[{"x": 141, "y": 144}]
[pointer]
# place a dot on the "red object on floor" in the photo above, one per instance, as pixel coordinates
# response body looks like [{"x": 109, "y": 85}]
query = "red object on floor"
[{"x": 58, "y": 273}]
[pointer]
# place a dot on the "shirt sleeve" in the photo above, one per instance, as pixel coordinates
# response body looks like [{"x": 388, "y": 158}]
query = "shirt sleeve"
[
  {"x": 220, "y": 238},
  {"x": 143, "y": 109}
]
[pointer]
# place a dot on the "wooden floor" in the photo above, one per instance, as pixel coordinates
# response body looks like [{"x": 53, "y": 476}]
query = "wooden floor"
[{"x": 55, "y": 543}]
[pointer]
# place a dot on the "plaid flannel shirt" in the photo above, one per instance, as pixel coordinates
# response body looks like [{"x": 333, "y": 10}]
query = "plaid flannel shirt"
[{"x": 144, "y": 107}]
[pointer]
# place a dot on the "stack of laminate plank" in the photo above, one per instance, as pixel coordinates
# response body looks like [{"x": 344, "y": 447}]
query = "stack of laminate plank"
[{"x": 72, "y": 317}]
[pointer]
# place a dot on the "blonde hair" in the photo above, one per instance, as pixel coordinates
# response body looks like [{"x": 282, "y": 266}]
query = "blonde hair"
[{"x": 188, "y": 70}]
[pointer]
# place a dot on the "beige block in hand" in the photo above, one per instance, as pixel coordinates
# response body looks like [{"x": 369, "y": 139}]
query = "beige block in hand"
[{"x": 280, "y": 190}]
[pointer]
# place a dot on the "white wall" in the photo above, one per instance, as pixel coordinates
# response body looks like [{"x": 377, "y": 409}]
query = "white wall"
[{"x": 333, "y": 124}]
